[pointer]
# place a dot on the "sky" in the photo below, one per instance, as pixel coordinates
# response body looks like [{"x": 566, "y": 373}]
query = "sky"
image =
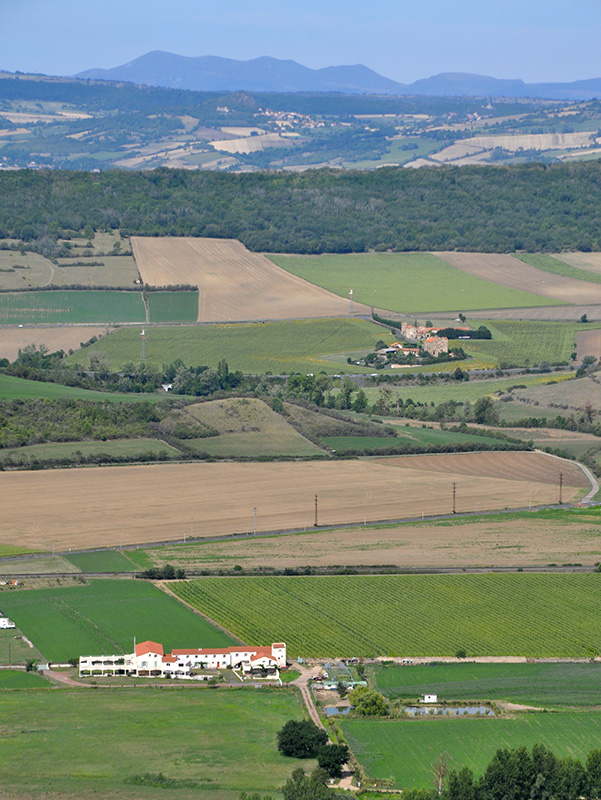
[{"x": 536, "y": 40}]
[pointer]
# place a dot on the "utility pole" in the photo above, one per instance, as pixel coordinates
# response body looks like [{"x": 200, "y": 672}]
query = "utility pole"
[
  {"x": 315, "y": 523},
  {"x": 454, "y": 497},
  {"x": 561, "y": 488},
  {"x": 255, "y": 523},
  {"x": 143, "y": 344}
]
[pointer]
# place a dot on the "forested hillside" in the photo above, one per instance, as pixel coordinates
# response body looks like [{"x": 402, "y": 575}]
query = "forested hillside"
[{"x": 530, "y": 207}]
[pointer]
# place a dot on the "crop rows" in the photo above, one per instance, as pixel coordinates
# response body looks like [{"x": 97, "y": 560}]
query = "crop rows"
[
  {"x": 526, "y": 342},
  {"x": 514, "y": 614},
  {"x": 71, "y": 306}
]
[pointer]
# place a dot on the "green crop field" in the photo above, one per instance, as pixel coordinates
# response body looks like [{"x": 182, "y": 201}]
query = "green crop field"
[
  {"x": 212, "y": 744},
  {"x": 274, "y": 347},
  {"x": 21, "y": 389},
  {"x": 530, "y": 684},
  {"x": 524, "y": 343},
  {"x": 116, "y": 448},
  {"x": 102, "y": 561},
  {"x": 494, "y": 614},
  {"x": 558, "y": 267},
  {"x": 11, "y": 550},
  {"x": 71, "y": 306},
  {"x": 104, "y": 616},
  {"x": 405, "y": 282},
  {"x": 17, "y": 679},
  {"x": 404, "y": 750},
  {"x": 173, "y": 306}
]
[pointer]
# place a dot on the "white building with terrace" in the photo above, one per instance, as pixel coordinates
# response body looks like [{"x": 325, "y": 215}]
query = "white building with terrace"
[{"x": 150, "y": 661}]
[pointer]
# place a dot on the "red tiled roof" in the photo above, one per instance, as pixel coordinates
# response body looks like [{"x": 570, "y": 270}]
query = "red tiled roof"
[
  {"x": 149, "y": 647},
  {"x": 169, "y": 659},
  {"x": 262, "y": 655},
  {"x": 279, "y": 644}
]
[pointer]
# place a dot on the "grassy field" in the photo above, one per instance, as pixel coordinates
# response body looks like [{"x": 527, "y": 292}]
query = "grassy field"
[
  {"x": 10, "y": 550},
  {"x": 404, "y": 282},
  {"x": 404, "y": 750},
  {"x": 91, "y": 743},
  {"x": 246, "y": 426},
  {"x": 407, "y": 435},
  {"x": 555, "y": 265},
  {"x": 12, "y": 388},
  {"x": 173, "y": 306},
  {"x": 116, "y": 448},
  {"x": 574, "y": 394},
  {"x": 104, "y": 616},
  {"x": 460, "y": 391},
  {"x": 17, "y": 679},
  {"x": 13, "y": 648},
  {"x": 525, "y": 343},
  {"x": 273, "y": 347},
  {"x": 102, "y": 561},
  {"x": 494, "y": 614},
  {"x": 24, "y": 271},
  {"x": 71, "y": 306},
  {"x": 530, "y": 684},
  {"x": 113, "y": 271},
  {"x": 527, "y": 538}
]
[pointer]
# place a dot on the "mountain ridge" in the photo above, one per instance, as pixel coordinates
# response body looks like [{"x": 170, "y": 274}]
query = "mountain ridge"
[{"x": 268, "y": 74}]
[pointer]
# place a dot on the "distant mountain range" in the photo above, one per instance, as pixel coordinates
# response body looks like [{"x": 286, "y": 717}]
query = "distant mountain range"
[{"x": 266, "y": 74}]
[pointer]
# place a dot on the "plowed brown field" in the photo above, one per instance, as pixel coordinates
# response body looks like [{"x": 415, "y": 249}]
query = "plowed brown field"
[
  {"x": 107, "y": 506},
  {"x": 233, "y": 283},
  {"x": 588, "y": 343},
  {"x": 509, "y": 271},
  {"x": 64, "y": 338}
]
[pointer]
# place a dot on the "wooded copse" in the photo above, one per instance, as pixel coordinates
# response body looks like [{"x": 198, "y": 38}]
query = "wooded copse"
[{"x": 532, "y": 207}]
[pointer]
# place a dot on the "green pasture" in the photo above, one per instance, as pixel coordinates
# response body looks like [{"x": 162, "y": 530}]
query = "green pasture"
[
  {"x": 18, "y": 679},
  {"x": 538, "y": 684},
  {"x": 13, "y": 649},
  {"x": 11, "y": 550},
  {"x": 104, "y": 616},
  {"x": 172, "y": 306},
  {"x": 460, "y": 391},
  {"x": 405, "y": 282},
  {"x": 255, "y": 348},
  {"x": 92, "y": 743},
  {"x": 485, "y": 614},
  {"x": 71, "y": 306},
  {"x": 524, "y": 343},
  {"x": 397, "y": 155},
  {"x": 403, "y": 750},
  {"x": 555, "y": 265},
  {"x": 12, "y": 388},
  {"x": 102, "y": 561},
  {"x": 42, "y": 564},
  {"x": 407, "y": 435},
  {"x": 115, "y": 448},
  {"x": 255, "y": 444}
]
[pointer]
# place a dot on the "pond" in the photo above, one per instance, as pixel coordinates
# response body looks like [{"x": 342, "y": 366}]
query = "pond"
[{"x": 332, "y": 711}]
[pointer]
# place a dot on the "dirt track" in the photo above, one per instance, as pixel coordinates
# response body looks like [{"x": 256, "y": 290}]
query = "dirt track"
[
  {"x": 233, "y": 283},
  {"x": 509, "y": 271},
  {"x": 99, "y": 507}
]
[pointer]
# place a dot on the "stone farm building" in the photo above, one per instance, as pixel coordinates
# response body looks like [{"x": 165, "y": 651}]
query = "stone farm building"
[
  {"x": 436, "y": 344},
  {"x": 149, "y": 661}
]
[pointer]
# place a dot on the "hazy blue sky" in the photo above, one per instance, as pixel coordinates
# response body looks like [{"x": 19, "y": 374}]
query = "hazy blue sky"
[{"x": 537, "y": 40}]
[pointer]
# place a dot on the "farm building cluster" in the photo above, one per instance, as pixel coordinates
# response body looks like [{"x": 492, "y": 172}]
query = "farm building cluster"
[{"x": 149, "y": 661}]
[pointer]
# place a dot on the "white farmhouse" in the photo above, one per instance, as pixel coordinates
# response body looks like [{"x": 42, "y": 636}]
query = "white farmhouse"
[{"x": 149, "y": 660}]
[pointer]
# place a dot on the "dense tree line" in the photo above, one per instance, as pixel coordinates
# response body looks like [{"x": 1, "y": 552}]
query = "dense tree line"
[{"x": 496, "y": 209}]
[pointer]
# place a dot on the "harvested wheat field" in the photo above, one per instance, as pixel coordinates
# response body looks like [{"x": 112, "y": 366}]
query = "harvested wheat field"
[
  {"x": 509, "y": 271},
  {"x": 534, "y": 141},
  {"x": 233, "y": 283},
  {"x": 588, "y": 343},
  {"x": 97, "y": 507},
  {"x": 486, "y": 543},
  {"x": 55, "y": 338},
  {"x": 540, "y": 313},
  {"x": 590, "y": 261}
]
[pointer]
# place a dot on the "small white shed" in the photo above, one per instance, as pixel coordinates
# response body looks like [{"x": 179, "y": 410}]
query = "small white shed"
[{"x": 429, "y": 698}]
